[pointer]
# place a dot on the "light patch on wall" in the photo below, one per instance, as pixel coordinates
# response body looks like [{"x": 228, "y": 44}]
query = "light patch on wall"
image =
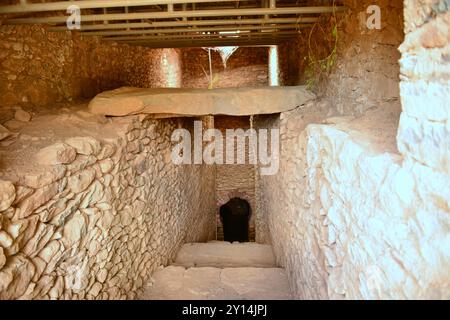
[
  {"x": 274, "y": 68},
  {"x": 170, "y": 64}
]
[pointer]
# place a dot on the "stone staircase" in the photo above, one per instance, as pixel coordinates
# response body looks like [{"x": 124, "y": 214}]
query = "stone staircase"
[{"x": 220, "y": 271}]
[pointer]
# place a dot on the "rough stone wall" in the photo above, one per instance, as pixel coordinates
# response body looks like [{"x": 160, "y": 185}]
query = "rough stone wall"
[
  {"x": 365, "y": 73},
  {"x": 350, "y": 216},
  {"x": 39, "y": 68},
  {"x": 352, "y": 219},
  {"x": 90, "y": 206},
  {"x": 280, "y": 197},
  {"x": 384, "y": 231},
  {"x": 247, "y": 67},
  {"x": 292, "y": 59},
  {"x": 424, "y": 132},
  {"x": 237, "y": 180}
]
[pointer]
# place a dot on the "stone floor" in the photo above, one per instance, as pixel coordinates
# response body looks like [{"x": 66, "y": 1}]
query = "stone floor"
[
  {"x": 223, "y": 271},
  {"x": 222, "y": 254}
]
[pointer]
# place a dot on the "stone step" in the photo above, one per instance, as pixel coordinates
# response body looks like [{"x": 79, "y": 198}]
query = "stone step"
[
  {"x": 225, "y": 255},
  {"x": 206, "y": 283}
]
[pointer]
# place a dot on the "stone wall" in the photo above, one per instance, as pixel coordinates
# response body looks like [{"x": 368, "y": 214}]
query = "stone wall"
[
  {"x": 247, "y": 67},
  {"x": 91, "y": 206},
  {"x": 39, "y": 68},
  {"x": 280, "y": 198},
  {"x": 349, "y": 217},
  {"x": 360, "y": 207},
  {"x": 237, "y": 180},
  {"x": 424, "y": 133},
  {"x": 365, "y": 72},
  {"x": 384, "y": 230}
]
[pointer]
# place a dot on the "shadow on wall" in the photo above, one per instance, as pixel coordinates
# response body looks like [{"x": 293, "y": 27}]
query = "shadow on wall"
[{"x": 235, "y": 216}]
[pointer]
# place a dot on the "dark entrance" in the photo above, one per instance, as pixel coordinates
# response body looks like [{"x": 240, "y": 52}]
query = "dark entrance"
[{"x": 235, "y": 215}]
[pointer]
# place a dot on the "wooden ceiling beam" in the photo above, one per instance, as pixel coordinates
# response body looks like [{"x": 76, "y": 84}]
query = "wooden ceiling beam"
[
  {"x": 189, "y": 23},
  {"x": 181, "y": 14},
  {"x": 93, "y": 4}
]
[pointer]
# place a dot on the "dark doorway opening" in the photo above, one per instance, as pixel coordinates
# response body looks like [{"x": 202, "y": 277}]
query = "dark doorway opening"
[{"x": 235, "y": 216}]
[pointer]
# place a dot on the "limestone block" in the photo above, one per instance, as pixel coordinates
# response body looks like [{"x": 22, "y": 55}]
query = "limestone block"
[
  {"x": 94, "y": 194},
  {"x": 21, "y": 115},
  {"x": 2, "y": 258},
  {"x": 418, "y": 12},
  {"x": 7, "y": 194},
  {"x": 433, "y": 34},
  {"x": 21, "y": 193},
  {"x": 133, "y": 135},
  {"x": 101, "y": 275},
  {"x": 74, "y": 229},
  {"x": 138, "y": 209},
  {"x": 435, "y": 196},
  {"x": 42, "y": 235},
  {"x": 65, "y": 209},
  {"x": 38, "y": 198},
  {"x": 102, "y": 255},
  {"x": 85, "y": 145},
  {"x": 81, "y": 162},
  {"x": 58, "y": 153},
  {"x": 79, "y": 182},
  {"x": 105, "y": 221},
  {"x": 15, "y": 277},
  {"x": 175, "y": 102},
  {"x": 95, "y": 289},
  {"x": 39, "y": 265},
  {"x": 43, "y": 286},
  {"x": 57, "y": 289},
  {"x": 106, "y": 165},
  {"x": 107, "y": 151},
  {"x": 426, "y": 141},
  {"x": 426, "y": 100},
  {"x": 49, "y": 251},
  {"x": 44, "y": 177}
]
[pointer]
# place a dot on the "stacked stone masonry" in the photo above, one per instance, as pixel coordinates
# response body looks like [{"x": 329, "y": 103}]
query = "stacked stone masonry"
[
  {"x": 360, "y": 207},
  {"x": 90, "y": 207},
  {"x": 236, "y": 180},
  {"x": 40, "y": 68},
  {"x": 94, "y": 213},
  {"x": 364, "y": 73},
  {"x": 424, "y": 132},
  {"x": 349, "y": 217}
]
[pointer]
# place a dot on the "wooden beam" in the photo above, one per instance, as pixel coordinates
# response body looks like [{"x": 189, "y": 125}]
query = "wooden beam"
[
  {"x": 183, "y": 30},
  {"x": 92, "y": 4},
  {"x": 218, "y": 36},
  {"x": 209, "y": 43},
  {"x": 181, "y": 14},
  {"x": 158, "y": 24}
]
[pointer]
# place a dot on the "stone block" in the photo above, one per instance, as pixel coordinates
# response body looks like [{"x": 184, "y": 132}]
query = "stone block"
[
  {"x": 425, "y": 141},
  {"x": 426, "y": 100}
]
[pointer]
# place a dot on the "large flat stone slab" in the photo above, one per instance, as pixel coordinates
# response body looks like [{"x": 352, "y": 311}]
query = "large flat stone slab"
[
  {"x": 178, "y": 283},
  {"x": 196, "y": 102},
  {"x": 225, "y": 255}
]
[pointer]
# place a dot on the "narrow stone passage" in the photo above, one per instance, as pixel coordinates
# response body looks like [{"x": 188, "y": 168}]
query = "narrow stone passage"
[
  {"x": 220, "y": 271},
  {"x": 136, "y": 164}
]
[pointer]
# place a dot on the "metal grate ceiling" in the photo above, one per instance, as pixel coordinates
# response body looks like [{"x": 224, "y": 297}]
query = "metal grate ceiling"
[{"x": 175, "y": 23}]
